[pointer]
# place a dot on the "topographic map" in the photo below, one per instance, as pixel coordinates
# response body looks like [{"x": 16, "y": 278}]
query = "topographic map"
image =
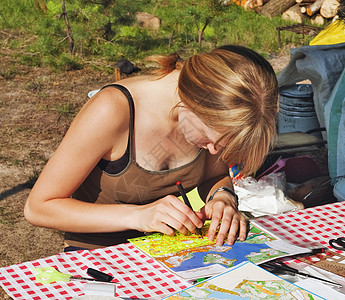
[
  {"x": 186, "y": 252},
  {"x": 246, "y": 281}
]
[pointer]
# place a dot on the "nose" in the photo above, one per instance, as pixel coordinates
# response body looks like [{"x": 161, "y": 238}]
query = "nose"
[{"x": 212, "y": 149}]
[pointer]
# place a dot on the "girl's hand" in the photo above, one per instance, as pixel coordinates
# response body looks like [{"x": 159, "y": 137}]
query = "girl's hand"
[
  {"x": 223, "y": 212},
  {"x": 167, "y": 214}
]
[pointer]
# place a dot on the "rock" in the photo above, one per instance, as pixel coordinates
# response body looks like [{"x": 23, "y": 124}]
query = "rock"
[{"x": 148, "y": 21}]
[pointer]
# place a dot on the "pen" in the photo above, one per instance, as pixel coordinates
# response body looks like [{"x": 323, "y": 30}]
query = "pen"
[{"x": 186, "y": 200}]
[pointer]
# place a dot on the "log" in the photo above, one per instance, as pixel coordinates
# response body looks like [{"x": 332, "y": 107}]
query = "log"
[
  {"x": 251, "y": 4},
  {"x": 303, "y": 9},
  {"x": 305, "y": 1},
  {"x": 293, "y": 14},
  {"x": 275, "y": 7},
  {"x": 315, "y": 7},
  {"x": 318, "y": 20},
  {"x": 329, "y": 8}
]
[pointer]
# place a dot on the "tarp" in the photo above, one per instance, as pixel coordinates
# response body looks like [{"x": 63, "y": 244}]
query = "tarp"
[
  {"x": 335, "y": 126},
  {"x": 324, "y": 66},
  {"x": 334, "y": 33}
]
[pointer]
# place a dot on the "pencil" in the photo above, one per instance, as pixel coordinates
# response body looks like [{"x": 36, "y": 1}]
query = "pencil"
[{"x": 186, "y": 200}]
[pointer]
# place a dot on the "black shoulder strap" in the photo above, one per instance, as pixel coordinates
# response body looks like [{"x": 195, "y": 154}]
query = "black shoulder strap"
[{"x": 128, "y": 95}]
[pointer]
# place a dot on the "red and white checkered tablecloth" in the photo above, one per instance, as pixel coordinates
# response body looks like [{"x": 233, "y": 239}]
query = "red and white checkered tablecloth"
[
  {"x": 140, "y": 276},
  {"x": 312, "y": 227}
]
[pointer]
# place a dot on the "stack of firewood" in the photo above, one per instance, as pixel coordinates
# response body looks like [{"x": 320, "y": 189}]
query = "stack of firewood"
[
  {"x": 248, "y": 4},
  {"x": 319, "y": 11}
]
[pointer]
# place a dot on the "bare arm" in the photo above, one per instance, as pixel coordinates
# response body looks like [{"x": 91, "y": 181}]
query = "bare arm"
[
  {"x": 99, "y": 130},
  {"x": 95, "y": 132}
]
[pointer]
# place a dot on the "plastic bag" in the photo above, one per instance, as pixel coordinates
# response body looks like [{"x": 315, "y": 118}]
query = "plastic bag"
[
  {"x": 334, "y": 33},
  {"x": 264, "y": 196}
]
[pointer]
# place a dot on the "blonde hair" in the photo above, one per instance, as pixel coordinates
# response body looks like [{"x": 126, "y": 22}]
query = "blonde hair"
[
  {"x": 234, "y": 91},
  {"x": 166, "y": 64}
]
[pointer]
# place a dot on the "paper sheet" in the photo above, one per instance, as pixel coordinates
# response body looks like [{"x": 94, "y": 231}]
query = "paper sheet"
[
  {"x": 320, "y": 288},
  {"x": 245, "y": 281}
]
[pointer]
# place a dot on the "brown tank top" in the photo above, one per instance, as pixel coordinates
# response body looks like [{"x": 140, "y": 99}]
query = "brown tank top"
[{"x": 132, "y": 185}]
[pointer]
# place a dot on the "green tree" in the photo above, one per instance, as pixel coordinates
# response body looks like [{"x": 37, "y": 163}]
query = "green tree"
[
  {"x": 188, "y": 20},
  {"x": 202, "y": 13}
]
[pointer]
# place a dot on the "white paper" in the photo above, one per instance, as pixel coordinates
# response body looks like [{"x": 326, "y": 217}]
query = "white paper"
[
  {"x": 100, "y": 289},
  {"x": 287, "y": 247},
  {"x": 320, "y": 289},
  {"x": 202, "y": 272}
]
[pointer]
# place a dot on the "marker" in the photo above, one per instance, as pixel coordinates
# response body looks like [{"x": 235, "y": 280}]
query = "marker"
[
  {"x": 200, "y": 279},
  {"x": 100, "y": 276},
  {"x": 186, "y": 200}
]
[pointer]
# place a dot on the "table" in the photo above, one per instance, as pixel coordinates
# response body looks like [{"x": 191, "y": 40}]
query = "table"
[
  {"x": 312, "y": 227},
  {"x": 141, "y": 276}
]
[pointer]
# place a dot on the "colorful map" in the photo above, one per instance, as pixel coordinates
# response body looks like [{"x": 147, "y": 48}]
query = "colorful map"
[
  {"x": 186, "y": 252},
  {"x": 246, "y": 281}
]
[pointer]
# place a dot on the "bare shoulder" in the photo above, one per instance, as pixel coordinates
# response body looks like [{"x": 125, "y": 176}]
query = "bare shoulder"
[
  {"x": 108, "y": 108},
  {"x": 101, "y": 126}
]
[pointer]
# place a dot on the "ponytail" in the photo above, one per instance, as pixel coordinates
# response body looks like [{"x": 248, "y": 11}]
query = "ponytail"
[{"x": 166, "y": 64}]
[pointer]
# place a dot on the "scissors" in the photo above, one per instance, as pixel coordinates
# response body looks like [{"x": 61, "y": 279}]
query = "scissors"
[
  {"x": 281, "y": 268},
  {"x": 338, "y": 243},
  {"x": 50, "y": 274}
]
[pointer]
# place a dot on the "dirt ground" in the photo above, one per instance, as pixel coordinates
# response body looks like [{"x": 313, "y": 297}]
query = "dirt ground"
[{"x": 34, "y": 106}]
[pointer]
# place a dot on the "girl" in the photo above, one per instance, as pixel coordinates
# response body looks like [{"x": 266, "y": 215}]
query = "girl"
[{"x": 114, "y": 175}]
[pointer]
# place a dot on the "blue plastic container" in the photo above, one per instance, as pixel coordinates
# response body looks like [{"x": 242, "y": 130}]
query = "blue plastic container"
[{"x": 339, "y": 190}]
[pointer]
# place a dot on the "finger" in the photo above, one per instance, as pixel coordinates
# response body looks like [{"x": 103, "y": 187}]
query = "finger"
[
  {"x": 243, "y": 229},
  {"x": 214, "y": 211},
  {"x": 183, "y": 223},
  {"x": 223, "y": 230},
  {"x": 166, "y": 218},
  {"x": 237, "y": 230},
  {"x": 171, "y": 225},
  {"x": 186, "y": 216},
  {"x": 194, "y": 217},
  {"x": 233, "y": 232},
  {"x": 166, "y": 229},
  {"x": 201, "y": 216},
  {"x": 215, "y": 221},
  {"x": 182, "y": 218}
]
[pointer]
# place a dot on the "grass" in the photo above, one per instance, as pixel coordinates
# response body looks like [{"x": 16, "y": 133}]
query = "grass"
[
  {"x": 67, "y": 110},
  {"x": 39, "y": 39},
  {"x": 9, "y": 74},
  {"x": 34, "y": 86}
]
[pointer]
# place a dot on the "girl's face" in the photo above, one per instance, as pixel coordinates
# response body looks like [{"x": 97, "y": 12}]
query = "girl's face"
[{"x": 196, "y": 132}]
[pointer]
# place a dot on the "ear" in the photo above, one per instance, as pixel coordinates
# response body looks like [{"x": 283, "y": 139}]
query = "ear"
[{"x": 212, "y": 149}]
